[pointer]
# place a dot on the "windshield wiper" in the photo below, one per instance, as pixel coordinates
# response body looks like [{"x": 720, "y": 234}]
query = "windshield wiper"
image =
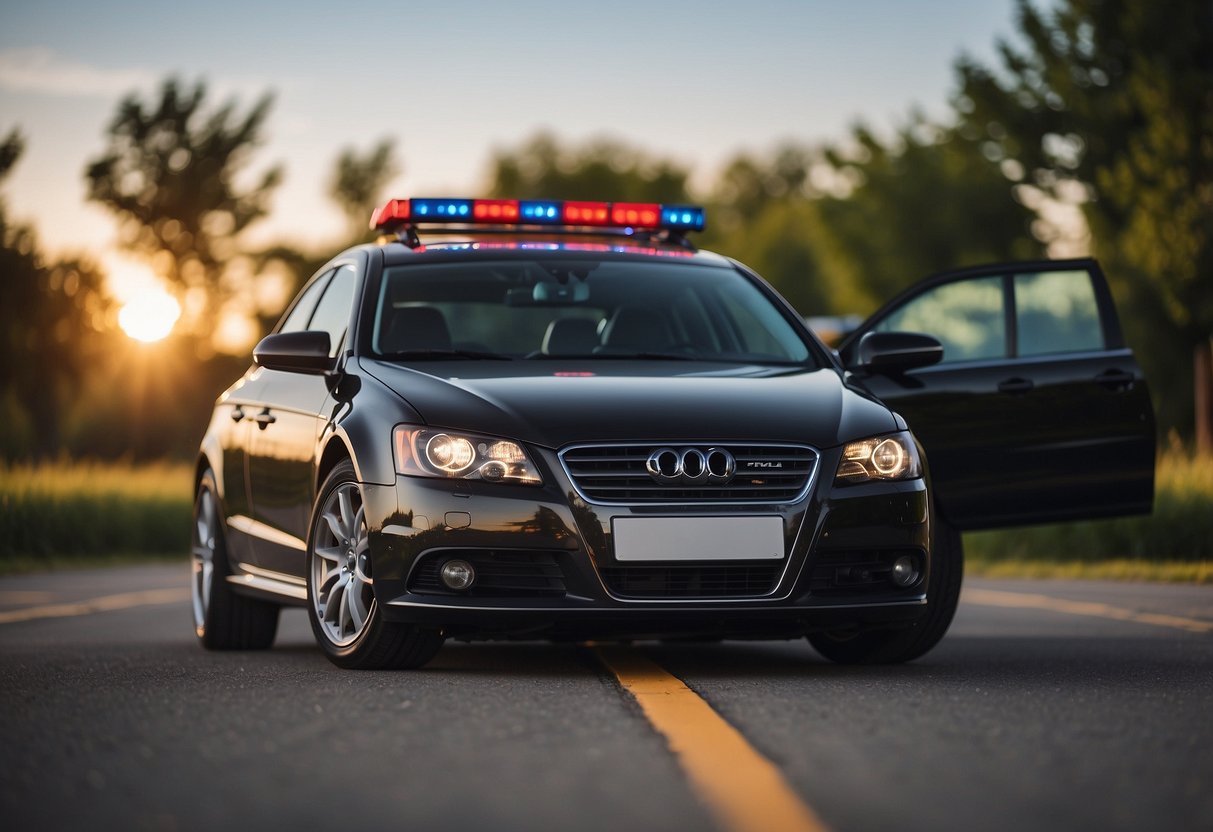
[{"x": 444, "y": 355}]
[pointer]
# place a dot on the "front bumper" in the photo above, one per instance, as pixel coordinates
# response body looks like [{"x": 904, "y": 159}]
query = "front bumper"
[{"x": 835, "y": 540}]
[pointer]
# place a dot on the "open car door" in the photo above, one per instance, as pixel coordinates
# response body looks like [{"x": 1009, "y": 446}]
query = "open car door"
[{"x": 1037, "y": 411}]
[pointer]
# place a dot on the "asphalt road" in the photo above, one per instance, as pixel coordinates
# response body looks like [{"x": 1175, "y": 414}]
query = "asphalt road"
[{"x": 1050, "y": 705}]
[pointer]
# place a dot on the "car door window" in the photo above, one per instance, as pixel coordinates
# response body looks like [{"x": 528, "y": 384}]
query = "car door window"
[
  {"x": 302, "y": 311},
  {"x": 333, "y": 312},
  {"x": 1056, "y": 312},
  {"x": 967, "y": 316}
]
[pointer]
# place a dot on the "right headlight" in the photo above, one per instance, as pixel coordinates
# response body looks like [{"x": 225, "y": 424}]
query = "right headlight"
[
  {"x": 426, "y": 452},
  {"x": 892, "y": 457}
]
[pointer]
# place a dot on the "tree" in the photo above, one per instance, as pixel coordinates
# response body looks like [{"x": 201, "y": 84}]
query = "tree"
[
  {"x": 1109, "y": 104},
  {"x": 842, "y": 227},
  {"x": 358, "y": 180},
  {"x": 923, "y": 201},
  {"x": 602, "y": 169},
  {"x": 53, "y": 320},
  {"x": 169, "y": 172}
]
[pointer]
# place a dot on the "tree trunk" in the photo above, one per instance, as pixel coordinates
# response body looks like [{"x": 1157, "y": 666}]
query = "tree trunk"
[{"x": 1202, "y": 361}]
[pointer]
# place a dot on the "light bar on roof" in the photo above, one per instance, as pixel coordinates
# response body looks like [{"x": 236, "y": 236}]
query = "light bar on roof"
[{"x": 398, "y": 213}]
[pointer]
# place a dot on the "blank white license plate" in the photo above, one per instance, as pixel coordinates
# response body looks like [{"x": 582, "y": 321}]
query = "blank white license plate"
[{"x": 698, "y": 538}]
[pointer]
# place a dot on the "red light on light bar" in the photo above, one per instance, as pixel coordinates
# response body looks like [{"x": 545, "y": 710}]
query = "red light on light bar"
[
  {"x": 393, "y": 212},
  {"x": 586, "y": 213},
  {"x": 505, "y": 210},
  {"x": 643, "y": 214}
]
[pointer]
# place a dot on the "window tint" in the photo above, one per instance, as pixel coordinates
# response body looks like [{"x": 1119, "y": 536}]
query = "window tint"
[
  {"x": 1056, "y": 312},
  {"x": 967, "y": 317},
  {"x": 301, "y": 313},
  {"x": 627, "y": 308},
  {"x": 333, "y": 312}
]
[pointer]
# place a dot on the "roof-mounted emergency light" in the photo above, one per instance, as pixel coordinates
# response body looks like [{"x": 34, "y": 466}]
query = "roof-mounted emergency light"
[{"x": 644, "y": 216}]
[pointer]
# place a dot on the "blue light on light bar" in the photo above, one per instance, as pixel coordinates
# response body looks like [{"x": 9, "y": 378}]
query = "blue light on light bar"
[
  {"x": 540, "y": 211},
  {"x": 447, "y": 209},
  {"x": 689, "y": 217}
]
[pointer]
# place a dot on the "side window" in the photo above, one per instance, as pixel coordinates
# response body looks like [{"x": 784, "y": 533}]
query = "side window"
[
  {"x": 967, "y": 316},
  {"x": 333, "y": 312},
  {"x": 301, "y": 312},
  {"x": 1056, "y": 312}
]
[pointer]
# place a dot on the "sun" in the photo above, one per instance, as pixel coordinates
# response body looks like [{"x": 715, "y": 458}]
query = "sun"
[{"x": 149, "y": 315}]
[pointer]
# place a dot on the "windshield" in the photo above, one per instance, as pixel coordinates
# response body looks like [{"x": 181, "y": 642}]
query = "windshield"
[{"x": 542, "y": 309}]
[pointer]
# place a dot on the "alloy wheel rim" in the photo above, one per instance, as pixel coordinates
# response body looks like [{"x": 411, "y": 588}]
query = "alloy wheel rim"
[
  {"x": 343, "y": 596},
  {"x": 202, "y": 551}
]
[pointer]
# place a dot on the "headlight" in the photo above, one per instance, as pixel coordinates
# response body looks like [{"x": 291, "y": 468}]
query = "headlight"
[
  {"x": 892, "y": 457},
  {"x": 427, "y": 452}
]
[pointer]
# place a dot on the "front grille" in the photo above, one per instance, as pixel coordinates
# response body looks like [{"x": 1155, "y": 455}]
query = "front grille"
[
  {"x": 616, "y": 475},
  {"x": 499, "y": 573},
  {"x": 835, "y": 574},
  {"x": 725, "y": 580}
]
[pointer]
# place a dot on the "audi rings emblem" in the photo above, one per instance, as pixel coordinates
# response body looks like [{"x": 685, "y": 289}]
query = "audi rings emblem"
[{"x": 691, "y": 466}]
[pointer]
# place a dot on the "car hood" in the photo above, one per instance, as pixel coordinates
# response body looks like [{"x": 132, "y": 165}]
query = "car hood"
[{"x": 550, "y": 404}]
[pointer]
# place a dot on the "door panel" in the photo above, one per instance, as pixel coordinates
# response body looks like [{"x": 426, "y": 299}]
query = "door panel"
[
  {"x": 282, "y": 459},
  {"x": 1055, "y": 425},
  {"x": 281, "y": 467},
  {"x": 234, "y": 427}
]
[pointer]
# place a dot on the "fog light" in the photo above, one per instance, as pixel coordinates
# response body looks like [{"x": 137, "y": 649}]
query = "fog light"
[
  {"x": 457, "y": 574},
  {"x": 905, "y": 571}
]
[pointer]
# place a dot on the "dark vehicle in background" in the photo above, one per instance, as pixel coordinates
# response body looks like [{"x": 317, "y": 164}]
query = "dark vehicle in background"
[{"x": 560, "y": 420}]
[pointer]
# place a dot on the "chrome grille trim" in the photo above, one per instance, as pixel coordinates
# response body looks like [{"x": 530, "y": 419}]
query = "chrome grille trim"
[{"x": 613, "y": 474}]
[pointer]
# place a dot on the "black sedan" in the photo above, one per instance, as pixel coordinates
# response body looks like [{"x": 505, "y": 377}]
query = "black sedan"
[{"x": 560, "y": 420}]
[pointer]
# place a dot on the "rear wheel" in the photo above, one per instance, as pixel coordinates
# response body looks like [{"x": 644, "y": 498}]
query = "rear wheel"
[
  {"x": 346, "y": 618},
  {"x": 223, "y": 619},
  {"x": 902, "y": 645}
]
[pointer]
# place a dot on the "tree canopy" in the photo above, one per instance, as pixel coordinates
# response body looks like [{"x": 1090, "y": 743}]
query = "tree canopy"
[{"x": 170, "y": 172}]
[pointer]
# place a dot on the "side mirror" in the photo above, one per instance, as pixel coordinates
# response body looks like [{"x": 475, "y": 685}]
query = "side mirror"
[
  {"x": 892, "y": 353},
  {"x": 294, "y": 352}
]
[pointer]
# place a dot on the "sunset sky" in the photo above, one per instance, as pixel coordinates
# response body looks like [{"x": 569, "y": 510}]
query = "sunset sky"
[{"x": 450, "y": 81}]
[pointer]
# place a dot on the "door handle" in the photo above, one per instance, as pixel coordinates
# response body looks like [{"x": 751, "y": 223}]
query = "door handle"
[
  {"x": 1116, "y": 380},
  {"x": 1015, "y": 386},
  {"x": 264, "y": 419},
  {"x": 237, "y": 414}
]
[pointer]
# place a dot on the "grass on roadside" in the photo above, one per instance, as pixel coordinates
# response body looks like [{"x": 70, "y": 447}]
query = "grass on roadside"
[
  {"x": 1156, "y": 571},
  {"x": 60, "y": 512}
]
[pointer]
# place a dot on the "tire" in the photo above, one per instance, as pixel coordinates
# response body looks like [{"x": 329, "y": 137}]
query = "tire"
[
  {"x": 345, "y": 615},
  {"x": 223, "y": 619},
  {"x": 893, "y": 646}
]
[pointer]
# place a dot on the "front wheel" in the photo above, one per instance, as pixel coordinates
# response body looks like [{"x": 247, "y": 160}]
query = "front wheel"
[
  {"x": 346, "y": 618},
  {"x": 902, "y": 645}
]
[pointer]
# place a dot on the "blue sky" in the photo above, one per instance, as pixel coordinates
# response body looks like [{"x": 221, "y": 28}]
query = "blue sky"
[{"x": 451, "y": 81}]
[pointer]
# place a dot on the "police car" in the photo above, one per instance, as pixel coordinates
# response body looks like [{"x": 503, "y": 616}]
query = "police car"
[{"x": 560, "y": 420}]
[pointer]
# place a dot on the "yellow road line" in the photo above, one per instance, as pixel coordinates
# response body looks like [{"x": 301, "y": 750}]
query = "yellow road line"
[
  {"x": 106, "y": 603},
  {"x": 1026, "y": 600},
  {"x": 744, "y": 789}
]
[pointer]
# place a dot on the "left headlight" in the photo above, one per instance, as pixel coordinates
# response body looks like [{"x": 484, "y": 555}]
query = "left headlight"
[
  {"x": 430, "y": 452},
  {"x": 893, "y": 457}
]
